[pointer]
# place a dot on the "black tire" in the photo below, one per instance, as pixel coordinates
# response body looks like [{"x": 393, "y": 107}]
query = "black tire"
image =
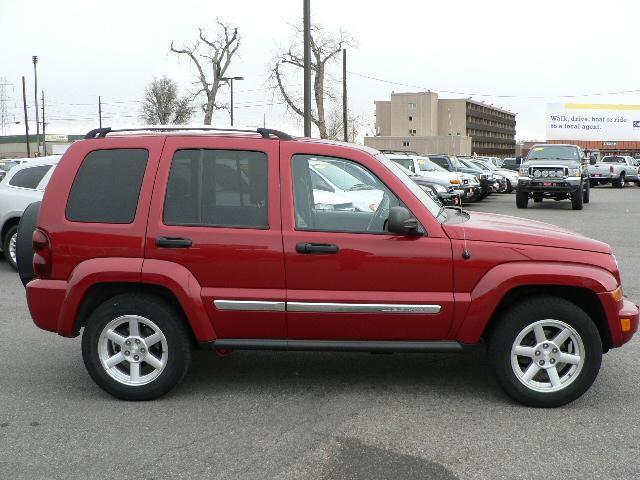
[
  {"x": 522, "y": 199},
  {"x": 593, "y": 183},
  {"x": 168, "y": 320},
  {"x": 577, "y": 199},
  {"x": 509, "y": 186},
  {"x": 620, "y": 182},
  {"x": 24, "y": 245},
  {"x": 537, "y": 198},
  {"x": 587, "y": 192},
  {"x": 6, "y": 245},
  {"x": 518, "y": 318}
]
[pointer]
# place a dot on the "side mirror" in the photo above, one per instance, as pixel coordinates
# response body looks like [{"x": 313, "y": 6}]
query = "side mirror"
[
  {"x": 592, "y": 159},
  {"x": 401, "y": 221}
]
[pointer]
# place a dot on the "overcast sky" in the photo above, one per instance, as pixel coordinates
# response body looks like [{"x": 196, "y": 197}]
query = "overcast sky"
[{"x": 497, "y": 48}]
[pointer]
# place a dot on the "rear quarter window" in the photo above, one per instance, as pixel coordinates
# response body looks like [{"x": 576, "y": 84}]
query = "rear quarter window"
[
  {"x": 29, "y": 177},
  {"x": 107, "y": 186}
]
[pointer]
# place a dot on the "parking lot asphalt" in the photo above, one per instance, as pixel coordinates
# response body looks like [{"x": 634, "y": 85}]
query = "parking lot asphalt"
[{"x": 258, "y": 415}]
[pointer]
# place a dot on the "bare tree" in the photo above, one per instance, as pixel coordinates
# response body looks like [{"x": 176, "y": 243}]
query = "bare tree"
[
  {"x": 163, "y": 106},
  {"x": 324, "y": 50},
  {"x": 335, "y": 130},
  {"x": 211, "y": 56}
]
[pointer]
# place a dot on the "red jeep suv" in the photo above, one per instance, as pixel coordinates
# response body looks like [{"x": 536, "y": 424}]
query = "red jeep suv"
[{"x": 152, "y": 242}]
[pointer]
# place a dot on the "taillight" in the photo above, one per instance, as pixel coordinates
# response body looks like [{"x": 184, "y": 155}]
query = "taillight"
[
  {"x": 611, "y": 169},
  {"x": 42, "y": 254}
]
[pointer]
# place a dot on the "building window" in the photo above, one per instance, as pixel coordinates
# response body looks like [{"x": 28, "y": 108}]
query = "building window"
[
  {"x": 405, "y": 143},
  {"x": 412, "y": 105},
  {"x": 412, "y": 131},
  {"x": 411, "y": 118}
]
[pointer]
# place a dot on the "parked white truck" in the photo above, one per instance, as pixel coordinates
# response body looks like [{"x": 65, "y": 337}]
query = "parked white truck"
[{"x": 615, "y": 169}]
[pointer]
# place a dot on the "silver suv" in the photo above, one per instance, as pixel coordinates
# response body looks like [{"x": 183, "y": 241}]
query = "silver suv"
[{"x": 22, "y": 185}]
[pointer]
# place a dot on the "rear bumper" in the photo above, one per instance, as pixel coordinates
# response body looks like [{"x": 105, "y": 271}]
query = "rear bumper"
[{"x": 46, "y": 299}]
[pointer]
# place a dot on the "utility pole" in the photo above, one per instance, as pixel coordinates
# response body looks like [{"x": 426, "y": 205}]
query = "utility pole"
[
  {"x": 4, "y": 100},
  {"x": 26, "y": 120},
  {"x": 44, "y": 135},
  {"x": 230, "y": 80},
  {"x": 35, "y": 75},
  {"x": 344, "y": 94},
  {"x": 307, "y": 66},
  {"x": 100, "y": 110}
]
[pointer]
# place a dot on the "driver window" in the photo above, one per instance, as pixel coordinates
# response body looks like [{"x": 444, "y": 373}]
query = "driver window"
[{"x": 337, "y": 195}]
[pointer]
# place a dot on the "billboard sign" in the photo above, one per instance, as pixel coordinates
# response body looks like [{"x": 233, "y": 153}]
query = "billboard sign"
[{"x": 599, "y": 122}]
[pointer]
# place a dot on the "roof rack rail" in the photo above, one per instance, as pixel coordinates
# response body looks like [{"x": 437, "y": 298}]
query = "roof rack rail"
[
  {"x": 264, "y": 132},
  {"x": 401, "y": 152}
]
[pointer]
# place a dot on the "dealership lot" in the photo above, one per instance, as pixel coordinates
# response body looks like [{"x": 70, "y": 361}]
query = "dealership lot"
[{"x": 323, "y": 415}]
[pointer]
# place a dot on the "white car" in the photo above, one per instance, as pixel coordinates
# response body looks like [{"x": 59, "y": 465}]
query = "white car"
[
  {"x": 510, "y": 175},
  {"x": 465, "y": 185},
  {"x": 23, "y": 184},
  {"x": 332, "y": 176}
]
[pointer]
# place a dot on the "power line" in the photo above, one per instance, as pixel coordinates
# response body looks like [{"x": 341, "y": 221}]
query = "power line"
[{"x": 472, "y": 94}]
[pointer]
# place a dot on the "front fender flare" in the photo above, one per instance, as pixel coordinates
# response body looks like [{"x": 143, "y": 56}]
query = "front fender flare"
[{"x": 474, "y": 310}]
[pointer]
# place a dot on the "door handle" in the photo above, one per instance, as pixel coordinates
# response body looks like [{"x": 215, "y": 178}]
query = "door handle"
[
  {"x": 173, "y": 242},
  {"x": 317, "y": 248}
]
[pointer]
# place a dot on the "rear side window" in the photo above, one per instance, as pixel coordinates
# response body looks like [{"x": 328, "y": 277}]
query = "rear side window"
[
  {"x": 223, "y": 188},
  {"x": 29, "y": 177},
  {"x": 107, "y": 186}
]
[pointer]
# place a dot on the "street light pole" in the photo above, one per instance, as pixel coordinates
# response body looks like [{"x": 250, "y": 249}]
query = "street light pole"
[
  {"x": 230, "y": 80},
  {"x": 35, "y": 74}
]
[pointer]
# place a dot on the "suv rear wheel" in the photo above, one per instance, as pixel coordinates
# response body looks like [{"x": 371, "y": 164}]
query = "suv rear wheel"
[
  {"x": 136, "y": 347},
  {"x": 9, "y": 246},
  {"x": 620, "y": 182},
  {"x": 545, "y": 352}
]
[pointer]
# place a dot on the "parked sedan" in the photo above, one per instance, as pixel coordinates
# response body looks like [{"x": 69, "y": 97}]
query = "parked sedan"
[
  {"x": 510, "y": 176},
  {"x": 23, "y": 184},
  {"x": 438, "y": 190}
]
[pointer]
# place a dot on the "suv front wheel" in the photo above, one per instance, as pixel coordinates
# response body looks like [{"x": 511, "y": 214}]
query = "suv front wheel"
[
  {"x": 136, "y": 347},
  {"x": 545, "y": 352}
]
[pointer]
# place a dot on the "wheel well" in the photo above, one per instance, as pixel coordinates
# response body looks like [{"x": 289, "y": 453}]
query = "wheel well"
[
  {"x": 584, "y": 298},
  {"x": 101, "y": 292},
  {"x": 7, "y": 225}
]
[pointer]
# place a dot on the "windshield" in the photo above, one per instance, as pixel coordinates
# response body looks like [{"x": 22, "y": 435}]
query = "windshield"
[
  {"x": 423, "y": 196},
  {"x": 613, "y": 160},
  {"x": 554, "y": 152},
  {"x": 428, "y": 166},
  {"x": 457, "y": 163},
  {"x": 340, "y": 178},
  {"x": 7, "y": 166},
  {"x": 405, "y": 162}
]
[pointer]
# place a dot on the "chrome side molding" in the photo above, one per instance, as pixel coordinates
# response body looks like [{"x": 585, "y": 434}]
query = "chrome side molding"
[
  {"x": 362, "y": 307},
  {"x": 249, "y": 305},
  {"x": 266, "y": 306}
]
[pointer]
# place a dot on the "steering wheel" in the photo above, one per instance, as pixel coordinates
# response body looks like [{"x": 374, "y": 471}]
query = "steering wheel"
[{"x": 378, "y": 215}]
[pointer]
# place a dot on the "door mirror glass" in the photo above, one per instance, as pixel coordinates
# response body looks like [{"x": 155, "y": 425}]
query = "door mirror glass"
[{"x": 401, "y": 221}]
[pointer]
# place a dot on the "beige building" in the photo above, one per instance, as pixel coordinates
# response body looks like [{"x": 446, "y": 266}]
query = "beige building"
[{"x": 423, "y": 123}]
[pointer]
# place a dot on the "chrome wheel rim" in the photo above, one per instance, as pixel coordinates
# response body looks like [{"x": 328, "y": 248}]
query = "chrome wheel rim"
[
  {"x": 13, "y": 241},
  {"x": 132, "y": 350},
  {"x": 547, "y": 356}
]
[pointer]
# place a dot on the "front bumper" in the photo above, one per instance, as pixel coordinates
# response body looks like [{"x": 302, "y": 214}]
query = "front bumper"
[
  {"x": 559, "y": 185},
  {"x": 619, "y": 313}
]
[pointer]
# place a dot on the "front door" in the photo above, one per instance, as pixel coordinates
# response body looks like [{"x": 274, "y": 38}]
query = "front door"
[
  {"x": 216, "y": 212},
  {"x": 348, "y": 278}
]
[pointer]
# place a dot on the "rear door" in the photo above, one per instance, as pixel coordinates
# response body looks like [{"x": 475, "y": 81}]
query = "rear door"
[{"x": 216, "y": 211}]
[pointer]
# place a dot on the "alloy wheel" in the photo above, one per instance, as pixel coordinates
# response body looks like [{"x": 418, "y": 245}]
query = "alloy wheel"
[
  {"x": 12, "y": 247},
  {"x": 132, "y": 350},
  {"x": 547, "y": 356}
]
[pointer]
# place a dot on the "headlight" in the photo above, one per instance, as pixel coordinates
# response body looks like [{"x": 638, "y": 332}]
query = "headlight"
[
  {"x": 537, "y": 174},
  {"x": 524, "y": 171},
  {"x": 574, "y": 172},
  {"x": 439, "y": 189}
]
